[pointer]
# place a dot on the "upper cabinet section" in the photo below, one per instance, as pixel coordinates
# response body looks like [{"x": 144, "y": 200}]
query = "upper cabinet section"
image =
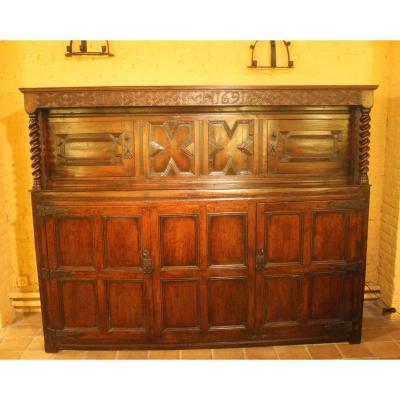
[{"x": 198, "y": 138}]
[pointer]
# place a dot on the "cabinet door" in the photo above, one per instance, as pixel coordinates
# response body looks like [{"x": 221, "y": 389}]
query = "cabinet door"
[
  {"x": 97, "y": 285},
  {"x": 204, "y": 271},
  {"x": 280, "y": 259},
  {"x": 309, "y": 264}
]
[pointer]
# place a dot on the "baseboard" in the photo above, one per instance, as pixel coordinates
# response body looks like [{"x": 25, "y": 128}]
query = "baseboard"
[{"x": 27, "y": 301}]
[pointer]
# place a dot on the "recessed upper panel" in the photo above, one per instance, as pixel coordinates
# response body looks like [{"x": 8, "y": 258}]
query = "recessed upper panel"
[
  {"x": 90, "y": 147},
  {"x": 230, "y": 147},
  {"x": 170, "y": 148},
  {"x": 308, "y": 147},
  {"x": 142, "y": 151}
]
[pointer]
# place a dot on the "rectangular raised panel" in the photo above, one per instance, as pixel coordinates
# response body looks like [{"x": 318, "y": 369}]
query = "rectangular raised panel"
[
  {"x": 326, "y": 296},
  {"x": 180, "y": 304},
  {"x": 179, "y": 241},
  {"x": 231, "y": 147},
  {"x": 75, "y": 242},
  {"x": 171, "y": 148},
  {"x": 94, "y": 149},
  {"x": 126, "y": 304},
  {"x": 227, "y": 302},
  {"x": 227, "y": 239},
  {"x": 355, "y": 237},
  {"x": 329, "y": 236},
  {"x": 308, "y": 147},
  {"x": 281, "y": 300},
  {"x": 283, "y": 237},
  {"x": 91, "y": 147},
  {"x": 122, "y": 242},
  {"x": 79, "y": 303}
]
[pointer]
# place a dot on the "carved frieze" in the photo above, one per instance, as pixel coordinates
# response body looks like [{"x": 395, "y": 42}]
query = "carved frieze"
[{"x": 186, "y": 96}]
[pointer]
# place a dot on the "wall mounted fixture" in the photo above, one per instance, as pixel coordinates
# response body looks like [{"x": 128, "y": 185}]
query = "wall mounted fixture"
[
  {"x": 83, "y": 49},
  {"x": 272, "y": 50}
]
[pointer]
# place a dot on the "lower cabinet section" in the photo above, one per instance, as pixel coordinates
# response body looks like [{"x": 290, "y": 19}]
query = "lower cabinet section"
[{"x": 201, "y": 273}]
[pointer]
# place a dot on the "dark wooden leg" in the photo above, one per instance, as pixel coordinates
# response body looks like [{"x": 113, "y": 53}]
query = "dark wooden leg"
[
  {"x": 50, "y": 342},
  {"x": 355, "y": 337}
]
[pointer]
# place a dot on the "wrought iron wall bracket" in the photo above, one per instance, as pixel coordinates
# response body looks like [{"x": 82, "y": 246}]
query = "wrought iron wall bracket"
[
  {"x": 273, "y": 59},
  {"x": 83, "y": 50}
]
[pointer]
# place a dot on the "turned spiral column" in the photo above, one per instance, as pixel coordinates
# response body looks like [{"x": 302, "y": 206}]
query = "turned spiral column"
[
  {"x": 363, "y": 155},
  {"x": 34, "y": 135}
]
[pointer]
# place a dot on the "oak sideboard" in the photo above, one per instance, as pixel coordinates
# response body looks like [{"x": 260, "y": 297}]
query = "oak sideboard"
[{"x": 202, "y": 216}]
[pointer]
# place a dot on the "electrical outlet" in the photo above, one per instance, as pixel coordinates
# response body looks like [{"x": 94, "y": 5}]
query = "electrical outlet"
[{"x": 22, "y": 281}]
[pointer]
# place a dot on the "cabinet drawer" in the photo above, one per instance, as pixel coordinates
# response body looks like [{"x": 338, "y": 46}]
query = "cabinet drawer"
[
  {"x": 91, "y": 147},
  {"x": 308, "y": 147}
]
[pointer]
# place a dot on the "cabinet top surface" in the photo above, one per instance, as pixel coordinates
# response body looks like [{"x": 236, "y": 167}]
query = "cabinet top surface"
[
  {"x": 189, "y": 96},
  {"x": 199, "y": 87}
]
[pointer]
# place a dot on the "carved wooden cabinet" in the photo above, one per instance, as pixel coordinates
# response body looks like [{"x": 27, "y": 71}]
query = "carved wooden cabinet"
[{"x": 200, "y": 216}]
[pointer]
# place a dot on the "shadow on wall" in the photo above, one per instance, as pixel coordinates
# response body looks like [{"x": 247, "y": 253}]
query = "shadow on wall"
[{"x": 16, "y": 180}]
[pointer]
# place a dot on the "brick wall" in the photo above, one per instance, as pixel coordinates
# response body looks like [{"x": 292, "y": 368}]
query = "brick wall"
[{"x": 389, "y": 249}]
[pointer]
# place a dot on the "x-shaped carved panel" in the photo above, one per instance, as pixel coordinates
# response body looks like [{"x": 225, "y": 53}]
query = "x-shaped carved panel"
[
  {"x": 230, "y": 149},
  {"x": 171, "y": 148}
]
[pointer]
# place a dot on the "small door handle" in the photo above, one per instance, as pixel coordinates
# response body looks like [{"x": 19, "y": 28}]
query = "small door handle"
[
  {"x": 146, "y": 262},
  {"x": 260, "y": 259}
]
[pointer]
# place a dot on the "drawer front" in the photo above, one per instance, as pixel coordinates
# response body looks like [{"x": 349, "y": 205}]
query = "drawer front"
[
  {"x": 308, "y": 147},
  {"x": 91, "y": 147}
]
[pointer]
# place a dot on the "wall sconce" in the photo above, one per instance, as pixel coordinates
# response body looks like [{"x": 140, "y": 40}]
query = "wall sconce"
[
  {"x": 273, "y": 55},
  {"x": 83, "y": 49}
]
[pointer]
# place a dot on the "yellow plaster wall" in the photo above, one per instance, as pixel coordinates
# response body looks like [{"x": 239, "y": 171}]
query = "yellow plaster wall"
[
  {"x": 389, "y": 251},
  {"x": 42, "y": 63}
]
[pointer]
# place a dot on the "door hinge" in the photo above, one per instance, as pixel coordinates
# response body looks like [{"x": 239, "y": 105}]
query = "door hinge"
[
  {"x": 44, "y": 211},
  {"x": 62, "y": 332},
  {"x": 351, "y": 267},
  {"x": 46, "y": 273},
  {"x": 357, "y": 204}
]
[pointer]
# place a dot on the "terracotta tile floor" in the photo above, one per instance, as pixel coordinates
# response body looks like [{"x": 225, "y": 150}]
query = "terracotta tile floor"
[{"x": 381, "y": 340}]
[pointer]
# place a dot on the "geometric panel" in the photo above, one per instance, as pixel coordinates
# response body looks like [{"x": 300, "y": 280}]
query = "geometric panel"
[
  {"x": 171, "y": 148},
  {"x": 79, "y": 299},
  {"x": 308, "y": 147},
  {"x": 179, "y": 240},
  {"x": 329, "y": 236},
  {"x": 122, "y": 242},
  {"x": 231, "y": 147},
  {"x": 227, "y": 301},
  {"x": 283, "y": 238},
  {"x": 181, "y": 304},
  {"x": 227, "y": 238},
  {"x": 281, "y": 298},
  {"x": 326, "y": 296},
  {"x": 75, "y": 242},
  {"x": 126, "y": 304}
]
